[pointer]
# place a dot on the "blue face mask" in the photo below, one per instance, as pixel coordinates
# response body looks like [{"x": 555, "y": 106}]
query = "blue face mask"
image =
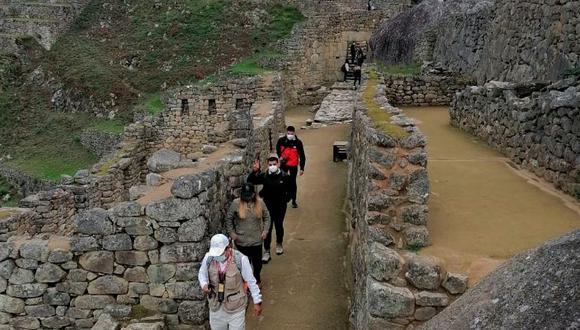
[{"x": 220, "y": 259}]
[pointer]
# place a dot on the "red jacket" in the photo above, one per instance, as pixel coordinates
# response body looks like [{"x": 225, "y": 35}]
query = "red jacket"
[{"x": 292, "y": 152}]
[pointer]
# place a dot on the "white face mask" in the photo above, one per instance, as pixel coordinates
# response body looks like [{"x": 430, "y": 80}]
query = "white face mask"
[
  {"x": 290, "y": 136},
  {"x": 272, "y": 169}
]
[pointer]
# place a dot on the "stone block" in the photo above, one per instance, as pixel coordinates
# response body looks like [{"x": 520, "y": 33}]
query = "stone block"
[
  {"x": 118, "y": 311},
  {"x": 174, "y": 209},
  {"x": 424, "y": 313},
  {"x": 11, "y": 305},
  {"x": 29, "y": 290},
  {"x": 55, "y": 298},
  {"x": 35, "y": 250},
  {"x": 97, "y": 261},
  {"x": 388, "y": 301},
  {"x": 184, "y": 290},
  {"x": 55, "y": 322},
  {"x": 106, "y": 322},
  {"x": 166, "y": 235},
  {"x": 21, "y": 276},
  {"x": 193, "y": 230},
  {"x": 455, "y": 283},
  {"x": 384, "y": 263},
  {"x": 59, "y": 256},
  {"x": 138, "y": 289},
  {"x": 77, "y": 275},
  {"x": 416, "y": 236},
  {"x": 25, "y": 322},
  {"x": 145, "y": 243},
  {"x": 127, "y": 209},
  {"x": 117, "y": 242},
  {"x": 94, "y": 222},
  {"x": 131, "y": 258},
  {"x": 182, "y": 252},
  {"x": 6, "y": 268},
  {"x": 82, "y": 243},
  {"x": 40, "y": 310},
  {"x": 93, "y": 301},
  {"x": 424, "y": 273},
  {"x": 136, "y": 274},
  {"x": 418, "y": 187},
  {"x": 186, "y": 271},
  {"x": 5, "y": 250},
  {"x": 193, "y": 312},
  {"x": 77, "y": 313},
  {"x": 108, "y": 284},
  {"x": 432, "y": 299},
  {"x": 162, "y": 305},
  {"x": 161, "y": 273},
  {"x": 414, "y": 214},
  {"x": 49, "y": 273}
]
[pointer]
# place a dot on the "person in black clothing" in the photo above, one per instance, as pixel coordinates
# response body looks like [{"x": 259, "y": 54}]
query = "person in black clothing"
[
  {"x": 276, "y": 195},
  {"x": 352, "y": 53},
  {"x": 357, "y": 75},
  {"x": 292, "y": 159}
]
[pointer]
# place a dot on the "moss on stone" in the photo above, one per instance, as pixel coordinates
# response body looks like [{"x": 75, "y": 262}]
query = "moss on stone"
[{"x": 381, "y": 118}]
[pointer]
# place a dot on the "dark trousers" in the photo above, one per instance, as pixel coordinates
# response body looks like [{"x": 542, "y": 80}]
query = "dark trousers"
[
  {"x": 293, "y": 173},
  {"x": 277, "y": 214},
  {"x": 254, "y": 253}
]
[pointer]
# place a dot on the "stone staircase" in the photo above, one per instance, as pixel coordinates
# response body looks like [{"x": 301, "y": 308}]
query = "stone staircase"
[{"x": 43, "y": 20}]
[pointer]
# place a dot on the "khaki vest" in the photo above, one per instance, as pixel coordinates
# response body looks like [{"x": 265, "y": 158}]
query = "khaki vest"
[{"x": 235, "y": 298}]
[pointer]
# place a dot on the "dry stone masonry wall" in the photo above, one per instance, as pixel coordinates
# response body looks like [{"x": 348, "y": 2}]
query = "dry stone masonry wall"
[
  {"x": 388, "y": 191},
  {"x": 422, "y": 90},
  {"x": 536, "y": 126},
  {"x": 42, "y": 20}
]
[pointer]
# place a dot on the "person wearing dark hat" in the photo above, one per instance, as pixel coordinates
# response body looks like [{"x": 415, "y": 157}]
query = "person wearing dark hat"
[
  {"x": 221, "y": 277},
  {"x": 247, "y": 223},
  {"x": 292, "y": 159},
  {"x": 276, "y": 194}
]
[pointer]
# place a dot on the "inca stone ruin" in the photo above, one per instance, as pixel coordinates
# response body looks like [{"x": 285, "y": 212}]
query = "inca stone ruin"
[{"x": 457, "y": 206}]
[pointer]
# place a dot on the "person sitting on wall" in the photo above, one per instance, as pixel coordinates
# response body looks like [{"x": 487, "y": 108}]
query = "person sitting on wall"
[{"x": 221, "y": 277}]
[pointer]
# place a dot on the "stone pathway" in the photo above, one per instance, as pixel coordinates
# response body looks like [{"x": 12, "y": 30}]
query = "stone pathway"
[
  {"x": 482, "y": 210},
  {"x": 305, "y": 288},
  {"x": 337, "y": 106}
]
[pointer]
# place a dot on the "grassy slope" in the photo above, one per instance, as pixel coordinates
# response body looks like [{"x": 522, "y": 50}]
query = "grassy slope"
[{"x": 179, "y": 42}]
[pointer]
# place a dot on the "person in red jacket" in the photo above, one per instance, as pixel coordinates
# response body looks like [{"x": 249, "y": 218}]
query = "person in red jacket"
[{"x": 292, "y": 158}]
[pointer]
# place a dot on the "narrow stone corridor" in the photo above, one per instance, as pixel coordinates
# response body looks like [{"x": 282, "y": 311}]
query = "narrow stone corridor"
[
  {"x": 482, "y": 210},
  {"x": 305, "y": 288}
]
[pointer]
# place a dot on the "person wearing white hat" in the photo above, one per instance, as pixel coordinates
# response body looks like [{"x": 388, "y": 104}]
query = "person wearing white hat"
[{"x": 222, "y": 274}]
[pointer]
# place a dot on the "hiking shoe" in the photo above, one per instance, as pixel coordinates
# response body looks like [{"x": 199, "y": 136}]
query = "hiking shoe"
[
  {"x": 279, "y": 249},
  {"x": 294, "y": 205},
  {"x": 266, "y": 257}
]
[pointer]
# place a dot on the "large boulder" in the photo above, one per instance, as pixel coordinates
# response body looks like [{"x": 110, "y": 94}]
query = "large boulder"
[
  {"x": 165, "y": 160},
  {"x": 537, "y": 289}
]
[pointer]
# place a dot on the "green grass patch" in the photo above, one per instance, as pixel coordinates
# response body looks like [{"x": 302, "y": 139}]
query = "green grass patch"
[
  {"x": 113, "y": 126},
  {"x": 401, "y": 69},
  {"x": 153, "y": 104},
  {"x": 380, "y": 117},
  {"x": 249, "y": 66}
]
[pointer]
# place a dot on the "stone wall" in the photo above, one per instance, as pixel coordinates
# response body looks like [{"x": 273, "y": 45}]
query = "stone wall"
[
  {"x": 318, "y": 48},
  {"x": 537, "y": 127},
  {"x": 98, "y": 142},
  {"x": 131, "y": 259},
  {"x": 24, "y": 183},
  {"x": 212, "y": 114},
  {"x": 41, "y": 20},
  {"x": 388, "y": 190},
  {"x": 422, "y": 90}
]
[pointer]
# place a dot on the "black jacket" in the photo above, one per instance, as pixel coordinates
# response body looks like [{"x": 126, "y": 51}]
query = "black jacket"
[
  {"x": 276, "y": 187},
  {"x": 284, "y": 141}
]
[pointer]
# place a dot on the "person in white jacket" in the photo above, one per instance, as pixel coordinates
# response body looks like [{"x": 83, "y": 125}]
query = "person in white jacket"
[{"x": 222, "y": 274}]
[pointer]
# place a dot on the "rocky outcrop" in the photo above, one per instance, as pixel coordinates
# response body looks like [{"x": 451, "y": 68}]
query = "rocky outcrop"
[
  {"x": 537, "y": 289},
  {"x": 510, "y": 40}
]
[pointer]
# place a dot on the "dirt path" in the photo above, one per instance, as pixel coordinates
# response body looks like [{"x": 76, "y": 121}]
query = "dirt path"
[
  {"x": 482, "y": 210},
  {"x": 305, "y": 288}
]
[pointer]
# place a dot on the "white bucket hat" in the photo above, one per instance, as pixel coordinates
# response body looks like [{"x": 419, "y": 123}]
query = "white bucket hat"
[{"x": 218, "y": 244}]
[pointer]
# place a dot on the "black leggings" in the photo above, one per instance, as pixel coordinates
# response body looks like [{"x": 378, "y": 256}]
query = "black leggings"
[
  {"x": 277, "y": 214},
  {"x": 254, "y": 253},
  {"x": 293, "y": 173}
]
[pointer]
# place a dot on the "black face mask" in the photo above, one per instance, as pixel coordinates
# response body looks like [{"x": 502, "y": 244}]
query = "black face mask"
[{"x": 247, "y": 199}]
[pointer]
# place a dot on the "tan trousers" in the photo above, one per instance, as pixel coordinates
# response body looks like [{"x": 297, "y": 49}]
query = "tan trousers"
[{"x": 222, "y": 320}]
